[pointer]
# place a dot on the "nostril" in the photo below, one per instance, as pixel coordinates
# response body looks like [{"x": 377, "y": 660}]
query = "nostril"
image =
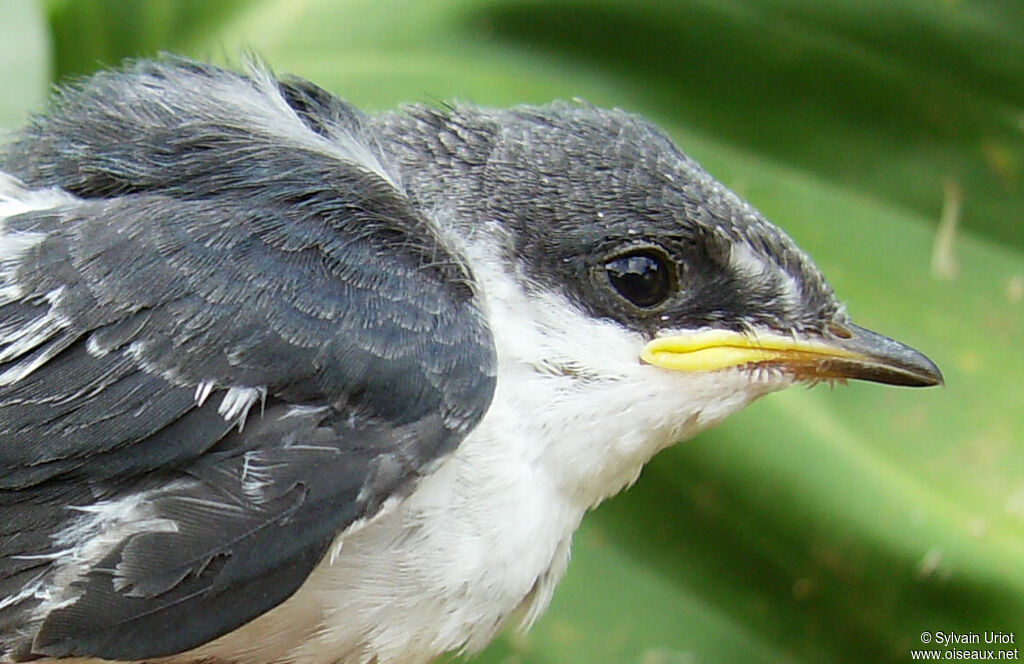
[{"x": 839, "y": 331}]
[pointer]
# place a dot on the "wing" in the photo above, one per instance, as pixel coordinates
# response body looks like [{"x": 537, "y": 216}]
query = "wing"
[{"x": 226, "y": 335}]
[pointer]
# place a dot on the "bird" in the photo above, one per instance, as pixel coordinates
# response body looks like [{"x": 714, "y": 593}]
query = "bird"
[{"x": 284, "y": 381}]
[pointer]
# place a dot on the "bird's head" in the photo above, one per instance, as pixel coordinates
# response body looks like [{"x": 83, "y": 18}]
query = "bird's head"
[
  {"x": 603, "y": 205},
  {"x": 625, "y": 264}
]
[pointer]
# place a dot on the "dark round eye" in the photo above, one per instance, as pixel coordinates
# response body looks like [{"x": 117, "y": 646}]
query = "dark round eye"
[{"x": 643, "y": 277}]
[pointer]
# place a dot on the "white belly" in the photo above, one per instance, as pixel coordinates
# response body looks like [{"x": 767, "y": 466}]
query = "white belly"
[{"x": 443, "y": 570}]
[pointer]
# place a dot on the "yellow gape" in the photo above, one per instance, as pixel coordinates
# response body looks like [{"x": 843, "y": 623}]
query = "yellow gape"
[{"x": 720, "y": 349}]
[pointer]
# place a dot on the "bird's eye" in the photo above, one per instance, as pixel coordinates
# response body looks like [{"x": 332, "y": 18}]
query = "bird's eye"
[{"x": 643, "y": 277}]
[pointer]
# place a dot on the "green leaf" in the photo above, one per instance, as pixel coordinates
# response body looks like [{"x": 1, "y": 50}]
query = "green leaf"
[
  {"x": 24, "y": 60},
  {"x": 89, "y": 34},
  {"x": 816, "y": 526}
]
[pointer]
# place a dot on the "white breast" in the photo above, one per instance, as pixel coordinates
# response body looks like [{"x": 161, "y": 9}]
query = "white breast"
[{"x": 442, "y": 570}]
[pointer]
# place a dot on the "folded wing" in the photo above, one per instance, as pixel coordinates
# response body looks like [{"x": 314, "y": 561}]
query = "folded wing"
[{"x": 226, "y": 335}]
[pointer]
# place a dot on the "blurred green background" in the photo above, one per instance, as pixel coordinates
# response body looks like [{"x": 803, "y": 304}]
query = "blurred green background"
[{"x": 818, "y": 525}]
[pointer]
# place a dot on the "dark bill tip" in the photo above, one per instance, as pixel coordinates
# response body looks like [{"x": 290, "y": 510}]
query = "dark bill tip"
[{"x": 879, "y": 359}]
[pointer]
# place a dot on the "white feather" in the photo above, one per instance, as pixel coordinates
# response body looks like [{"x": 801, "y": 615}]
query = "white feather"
[
  {"x": 87, "y": 540},
  {"x": 203, "y": 390},
  {"x": 34, "y": 589},
  {"x": 18, "y": 341},
  {"x": 259, "y": 105},
  {"x": 304, "y": 411},
  {"x": 340, "y": 143},
  {"x": 256, "y": 476},
  {"x": 16, "y": 199},
  {"x": 237, "y": 402},
  {"x": 745, "y": 261}
]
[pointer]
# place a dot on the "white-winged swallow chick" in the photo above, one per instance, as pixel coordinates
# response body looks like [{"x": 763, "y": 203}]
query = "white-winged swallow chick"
[{"x": 284, "y": 382}]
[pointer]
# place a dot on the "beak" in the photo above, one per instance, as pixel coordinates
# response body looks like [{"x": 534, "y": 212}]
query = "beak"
[{"x": 853, "y": 353}]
